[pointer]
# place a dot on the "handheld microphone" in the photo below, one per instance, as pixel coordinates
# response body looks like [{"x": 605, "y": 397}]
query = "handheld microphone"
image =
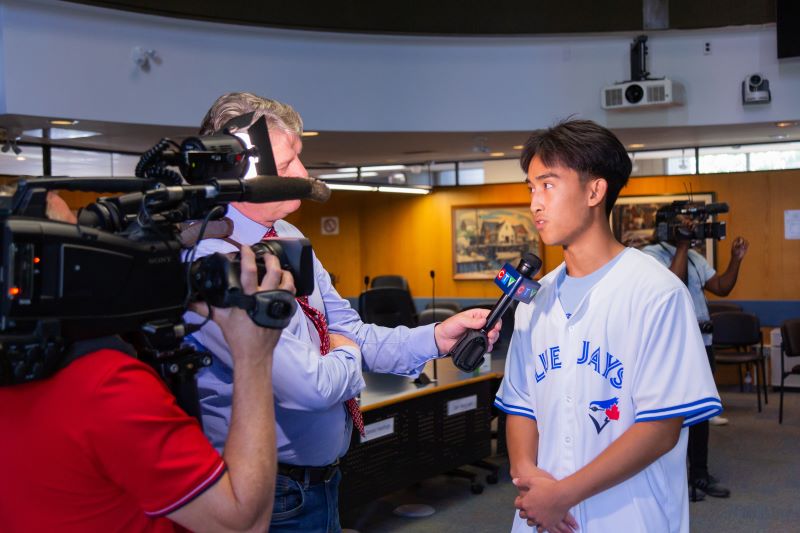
[
  {"x": 366, "y": 283},
  {"x": 433, "y": 294},
  {"x": 517, "y": 284},
  {"x": 433, "y": 306}
]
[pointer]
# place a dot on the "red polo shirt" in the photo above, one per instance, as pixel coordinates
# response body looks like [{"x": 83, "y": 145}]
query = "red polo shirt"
[{"x": 99, "y": 446}]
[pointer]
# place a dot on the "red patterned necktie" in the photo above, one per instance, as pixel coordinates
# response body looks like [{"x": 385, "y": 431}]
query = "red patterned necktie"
[{"x": 318, "y": 319}]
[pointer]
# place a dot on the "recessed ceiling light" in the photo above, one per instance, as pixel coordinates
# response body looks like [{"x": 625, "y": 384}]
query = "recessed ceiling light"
[
  {"x": 348, "y": 187},
  {"x": 404, "y": 190},
  {"x": 636, "y": 145},
  {"x": 20, "y": 158},
  {"x": 384, "y": 167},
  {"x": 518, "y": 147},
  {"x": 63, "y": 122},
  {"x": 787, "y": 124},
  {"x": 779, "y": 137},
  {"x": 497, "y": 154},
  {"x": 310, "y": 133},
  {"x": 342, "y": 175}
]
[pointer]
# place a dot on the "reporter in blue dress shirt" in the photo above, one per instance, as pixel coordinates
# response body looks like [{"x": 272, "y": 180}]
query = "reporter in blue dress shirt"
[{"x": 313, "y": 426}]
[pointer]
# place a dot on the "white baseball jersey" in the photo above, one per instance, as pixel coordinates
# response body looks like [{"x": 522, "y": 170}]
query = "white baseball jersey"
[{"x": 630, "y": 352}]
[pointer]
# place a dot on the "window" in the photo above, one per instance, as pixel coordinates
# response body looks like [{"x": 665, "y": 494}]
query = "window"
[
  {"x": 663, "y": 162},
  {"x": 27, "y": 163}
]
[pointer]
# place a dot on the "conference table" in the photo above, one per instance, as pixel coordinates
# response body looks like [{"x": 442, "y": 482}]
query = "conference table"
[{"x": 417, "y": 431}]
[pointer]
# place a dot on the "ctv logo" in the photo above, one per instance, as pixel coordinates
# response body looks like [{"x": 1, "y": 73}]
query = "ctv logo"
[
  {"x": 524, "y": 293},
  {"x": 504, "y": 278}
]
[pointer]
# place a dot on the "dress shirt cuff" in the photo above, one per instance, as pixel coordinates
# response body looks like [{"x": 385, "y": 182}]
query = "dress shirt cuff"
[{"x": 422, "y": 346}]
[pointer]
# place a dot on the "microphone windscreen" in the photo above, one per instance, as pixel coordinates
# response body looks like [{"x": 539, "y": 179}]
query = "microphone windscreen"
[
  {"x": 276, "y": 188},
  {"x": 529, "y": 265}
]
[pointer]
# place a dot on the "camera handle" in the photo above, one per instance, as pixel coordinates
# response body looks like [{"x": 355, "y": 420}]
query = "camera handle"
[{"x": 268, "y": 309}]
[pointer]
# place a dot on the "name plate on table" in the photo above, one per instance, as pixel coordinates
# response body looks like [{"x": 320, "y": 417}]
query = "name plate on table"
[
  {"x": 462, "y": 405},
  {"x": 377, "y": 430}
]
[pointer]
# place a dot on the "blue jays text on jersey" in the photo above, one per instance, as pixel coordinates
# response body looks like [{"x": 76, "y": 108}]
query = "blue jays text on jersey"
[{"x": 609, "y": 367}]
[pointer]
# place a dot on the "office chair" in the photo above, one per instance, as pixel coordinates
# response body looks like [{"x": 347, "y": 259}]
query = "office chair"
[
  {"x": 737, "y": 340},
  {"x": 391, "y": 280},
  {"x": 387, "y": 306},
  {"x": 444, "y": 304},
  {"x": 719, "y": 306},
  {"x": 434, "y": 314},
  {"x": 790, "y": 347}
]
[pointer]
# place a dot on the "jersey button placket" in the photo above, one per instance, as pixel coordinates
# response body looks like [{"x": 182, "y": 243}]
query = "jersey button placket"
[{"x": 569, "y": 414}]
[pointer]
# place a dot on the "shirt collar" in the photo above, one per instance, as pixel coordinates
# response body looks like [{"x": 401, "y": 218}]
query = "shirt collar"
[{"x": 245, "y": 230}]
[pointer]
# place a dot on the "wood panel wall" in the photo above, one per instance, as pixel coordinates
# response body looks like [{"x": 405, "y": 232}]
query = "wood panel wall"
[{"x": 411, "y": 235}]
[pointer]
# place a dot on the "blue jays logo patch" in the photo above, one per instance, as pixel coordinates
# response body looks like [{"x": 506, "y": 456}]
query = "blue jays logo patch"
[{"x": 602, "y": 412}]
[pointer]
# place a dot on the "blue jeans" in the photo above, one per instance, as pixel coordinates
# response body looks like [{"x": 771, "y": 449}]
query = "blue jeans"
[{"x": 307, "y": 508}]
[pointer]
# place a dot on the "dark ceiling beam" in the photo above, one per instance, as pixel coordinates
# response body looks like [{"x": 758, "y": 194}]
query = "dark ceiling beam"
[
  {"x": 462, "y": 17},
  {"x": 655, "y": 14}
]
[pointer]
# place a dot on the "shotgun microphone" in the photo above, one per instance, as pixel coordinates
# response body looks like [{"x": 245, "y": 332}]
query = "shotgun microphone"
[
  {"x": 517, "y": 284},
  {"x": 433, "y": 306}
]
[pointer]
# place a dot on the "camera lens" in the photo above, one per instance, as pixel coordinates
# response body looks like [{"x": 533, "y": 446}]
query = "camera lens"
[
  {"x": 754, "y": 80},
  {"x": 634, "y": 93}
]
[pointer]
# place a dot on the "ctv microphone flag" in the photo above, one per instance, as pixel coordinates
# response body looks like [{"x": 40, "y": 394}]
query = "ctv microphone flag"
[{"x": 515, "y": 285}]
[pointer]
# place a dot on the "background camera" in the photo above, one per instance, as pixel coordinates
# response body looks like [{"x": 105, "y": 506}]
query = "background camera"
[{"x": 755, "y": 90}]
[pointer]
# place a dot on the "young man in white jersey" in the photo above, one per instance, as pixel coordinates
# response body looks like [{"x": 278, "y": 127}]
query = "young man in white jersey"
[{"x": 606, "y": 367}]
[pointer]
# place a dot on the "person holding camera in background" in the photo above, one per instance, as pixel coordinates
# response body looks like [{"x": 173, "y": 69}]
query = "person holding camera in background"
[
  {"x": 321, "y": 353},
  {"x": 693, "y": 269},
  {"x": 102, "y": 445}
]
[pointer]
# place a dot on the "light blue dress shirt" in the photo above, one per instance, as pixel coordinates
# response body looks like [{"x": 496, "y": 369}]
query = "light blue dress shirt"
[
  {"x": 698, "y": 273},
  {"x": 313, "y": 427}
]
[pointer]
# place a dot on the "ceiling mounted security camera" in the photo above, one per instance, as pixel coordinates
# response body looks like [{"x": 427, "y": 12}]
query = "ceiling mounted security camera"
[{"x": 755, "y": 90}]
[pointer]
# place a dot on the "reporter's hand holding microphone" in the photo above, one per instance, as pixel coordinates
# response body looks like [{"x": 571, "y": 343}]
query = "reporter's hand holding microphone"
[{"x": 472, "y": 334}]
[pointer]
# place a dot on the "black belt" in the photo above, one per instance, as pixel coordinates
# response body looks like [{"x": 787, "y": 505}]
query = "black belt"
[{"x": 309, "y": 474}]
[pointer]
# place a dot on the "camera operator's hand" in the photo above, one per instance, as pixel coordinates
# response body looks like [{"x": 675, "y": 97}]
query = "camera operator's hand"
[
  {"x": 688, "y": 226},
  {"x": 244, "y": 337},
  {"x": 242, "y": 499},
  {"x": 739, "y": 248},
  {"x": 337, "y": 340},
  {"x": 58, "y": 210},
  {"x": 448, "y": 332}
]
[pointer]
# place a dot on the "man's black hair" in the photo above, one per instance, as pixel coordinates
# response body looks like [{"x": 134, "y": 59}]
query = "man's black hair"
[{"x": 585, "y": 147}]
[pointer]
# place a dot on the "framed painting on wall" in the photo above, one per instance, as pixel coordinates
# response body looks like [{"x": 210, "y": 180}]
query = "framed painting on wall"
[
  {"x": 633, "y": 219},
  {"x": 487, "y": 237}
]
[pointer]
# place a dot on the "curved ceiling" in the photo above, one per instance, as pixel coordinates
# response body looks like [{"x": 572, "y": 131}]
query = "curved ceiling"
[{"x": 463, "y": 17}]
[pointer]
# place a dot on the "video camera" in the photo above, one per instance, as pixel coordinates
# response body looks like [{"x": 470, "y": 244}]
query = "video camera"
[
  {"x": 670, "y": 221},
  {"x": 120, "y": 270}
]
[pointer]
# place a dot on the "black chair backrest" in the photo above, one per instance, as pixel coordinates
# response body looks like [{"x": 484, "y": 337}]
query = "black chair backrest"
[
  {"x": 434, "y": 314},
  {"x": 444, "y": 304},
  {"x": 395, "y": 281},
  {"x": 716, "y": 306},
  {"x": 790, "y": 337},
  {"x": 735, "y": 328},
  {"x": 387, "y": 306}
]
